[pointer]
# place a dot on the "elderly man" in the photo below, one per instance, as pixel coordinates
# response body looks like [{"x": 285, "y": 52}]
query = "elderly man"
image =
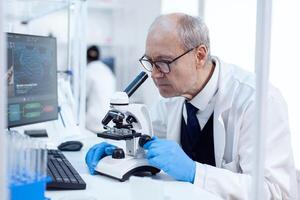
[{"x": 205, "y": 122}]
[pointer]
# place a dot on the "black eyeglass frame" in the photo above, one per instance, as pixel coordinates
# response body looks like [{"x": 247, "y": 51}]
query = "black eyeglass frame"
[{"x": 153, "y": 63}]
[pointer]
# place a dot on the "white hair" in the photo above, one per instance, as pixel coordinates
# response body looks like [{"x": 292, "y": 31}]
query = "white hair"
[{"x": 193, "y": 32}]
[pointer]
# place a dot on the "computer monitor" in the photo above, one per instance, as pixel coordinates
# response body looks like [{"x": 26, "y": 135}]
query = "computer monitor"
[{"x": 31, "y": 79}]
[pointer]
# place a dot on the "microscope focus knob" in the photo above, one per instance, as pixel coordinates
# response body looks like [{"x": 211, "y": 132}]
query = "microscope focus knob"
[
  {"x": 144, "y": 139},
  {"x": 118, "y": 153}
]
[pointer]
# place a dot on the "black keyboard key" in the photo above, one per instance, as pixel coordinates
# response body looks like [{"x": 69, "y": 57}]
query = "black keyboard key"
[
  {"x": 55, "y": 173},
  {"x": 66, "y": 170},
  {"x": 63, "y": 174},
  {"x": 61, "y": 171}
]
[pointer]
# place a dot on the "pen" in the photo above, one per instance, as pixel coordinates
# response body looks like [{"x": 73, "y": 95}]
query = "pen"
[{"x": 62, "y": 119}]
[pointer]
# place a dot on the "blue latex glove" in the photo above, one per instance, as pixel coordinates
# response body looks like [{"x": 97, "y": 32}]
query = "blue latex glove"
[
  {"x": 168, "y": 156},
  {"x": 96, "y": 153}
]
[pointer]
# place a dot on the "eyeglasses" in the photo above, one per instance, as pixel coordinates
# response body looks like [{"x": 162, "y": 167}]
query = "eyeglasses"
[{"x": 162, "y": 65}]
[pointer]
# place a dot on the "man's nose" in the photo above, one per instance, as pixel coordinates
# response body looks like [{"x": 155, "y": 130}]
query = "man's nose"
[{"x": 156, "y": 73}]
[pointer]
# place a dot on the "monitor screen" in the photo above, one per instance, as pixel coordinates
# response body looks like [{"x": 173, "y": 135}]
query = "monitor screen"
[{"x": 31, "y": 79}]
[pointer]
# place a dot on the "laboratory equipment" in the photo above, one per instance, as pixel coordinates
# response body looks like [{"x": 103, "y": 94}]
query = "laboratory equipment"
[
  {"x": 31, "y": 79},
  {"x": 62, "y": 173},
  {"x": 131, "y": 123},
  {"x": 27, "y": 160}
]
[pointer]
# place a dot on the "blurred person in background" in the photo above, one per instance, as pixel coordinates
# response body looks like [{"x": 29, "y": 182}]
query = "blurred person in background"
[{"x": 100, "y": 85}]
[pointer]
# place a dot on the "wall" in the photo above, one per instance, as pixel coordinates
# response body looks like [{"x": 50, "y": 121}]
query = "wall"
[
  {"x": 285, "y": 68},
  {"x": 130, "y": 36}
]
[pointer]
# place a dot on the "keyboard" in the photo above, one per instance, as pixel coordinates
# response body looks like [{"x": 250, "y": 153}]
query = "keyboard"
[{"x": 62, "y": 173}]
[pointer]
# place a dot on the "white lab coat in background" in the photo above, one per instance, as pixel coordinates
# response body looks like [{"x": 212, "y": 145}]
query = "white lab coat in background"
[
  {"x": 234, "y": 128},
  {"x": 100, "y": 86}
]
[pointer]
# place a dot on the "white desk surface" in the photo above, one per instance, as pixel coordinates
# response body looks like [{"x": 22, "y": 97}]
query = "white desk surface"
[{"x": 159, "y": 187}]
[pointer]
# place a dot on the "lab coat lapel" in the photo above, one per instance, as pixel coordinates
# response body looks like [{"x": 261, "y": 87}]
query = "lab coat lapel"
[
  {"x": 223, "y": 102},
  {"x": 174, "y": 109}
]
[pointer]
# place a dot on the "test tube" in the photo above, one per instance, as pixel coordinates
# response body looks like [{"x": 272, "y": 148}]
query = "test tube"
[
  {"x": 24, "y": 159},
  {"x": 32, "y": 161},
  {"x": 38, "y": 161},
  {"x": 15, "y": 149},
  {"x": 43, "y": 159},
  {"x": 10, "y": 157},
  {"x": 15, "y": 145},
  {"x": 19, "y": 160},
  {"x": 27, "y": 159}
]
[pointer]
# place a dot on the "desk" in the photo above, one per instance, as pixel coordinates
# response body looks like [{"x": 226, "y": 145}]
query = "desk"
[{"x": 158, "y": 187}]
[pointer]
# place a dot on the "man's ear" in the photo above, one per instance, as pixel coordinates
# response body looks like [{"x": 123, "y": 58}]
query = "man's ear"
[{"x": 201, "y": 55}]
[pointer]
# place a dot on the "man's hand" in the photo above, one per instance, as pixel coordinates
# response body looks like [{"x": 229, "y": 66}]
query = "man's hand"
[
  {"x": 168, "y": 156},
  {"x": 96, "y": 153}
]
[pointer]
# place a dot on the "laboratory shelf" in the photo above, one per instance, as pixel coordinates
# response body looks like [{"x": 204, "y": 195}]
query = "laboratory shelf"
[{"x": 27, "y": 10}]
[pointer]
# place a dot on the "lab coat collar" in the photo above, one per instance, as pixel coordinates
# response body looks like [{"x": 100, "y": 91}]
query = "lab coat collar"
[
  {"x": 202, "y": 99},
  {"x": 224, "y": 82}
]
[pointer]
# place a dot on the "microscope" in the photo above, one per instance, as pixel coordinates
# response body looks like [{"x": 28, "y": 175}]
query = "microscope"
[{"x": 131, "y": 123}]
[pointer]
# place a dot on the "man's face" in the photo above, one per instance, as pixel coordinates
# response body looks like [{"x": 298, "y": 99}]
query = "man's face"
[{"x": 182, "y": 78}]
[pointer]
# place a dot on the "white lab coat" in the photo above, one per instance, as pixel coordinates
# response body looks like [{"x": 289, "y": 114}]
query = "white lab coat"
[
  {"x": 100, "y": 86},
  {"x": 234, "y": 127}
]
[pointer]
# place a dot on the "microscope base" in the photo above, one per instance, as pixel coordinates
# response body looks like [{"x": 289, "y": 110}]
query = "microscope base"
[{"x": 122, "y": 169}]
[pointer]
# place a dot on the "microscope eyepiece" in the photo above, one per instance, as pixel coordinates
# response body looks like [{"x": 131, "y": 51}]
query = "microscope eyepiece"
[{"x": 136, "y": 83}]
